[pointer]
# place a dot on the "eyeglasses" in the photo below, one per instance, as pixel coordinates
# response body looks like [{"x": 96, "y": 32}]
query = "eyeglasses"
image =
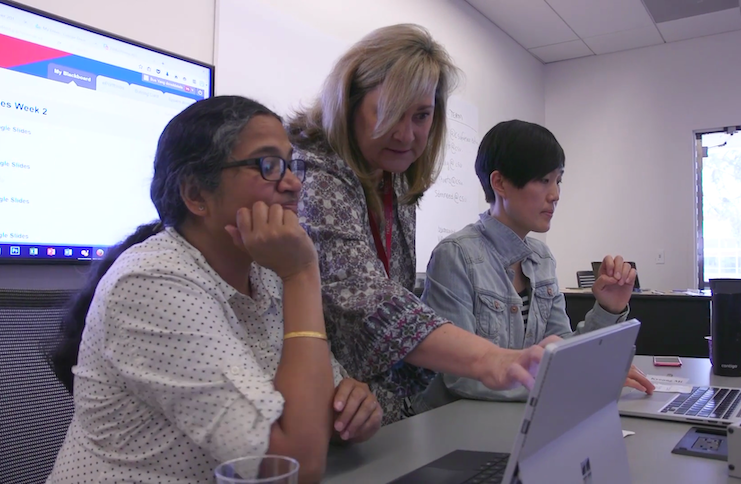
[{"x": 272, "y": 168}]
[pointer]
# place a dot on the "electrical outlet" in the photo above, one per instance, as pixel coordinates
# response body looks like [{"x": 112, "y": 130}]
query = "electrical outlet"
[
  {"x": 706, "y": 444},
  {"x": 660, "y": 256}
]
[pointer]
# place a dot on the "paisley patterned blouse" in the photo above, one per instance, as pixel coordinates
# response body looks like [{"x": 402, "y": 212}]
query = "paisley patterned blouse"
[{"x": 373, "y": 321}]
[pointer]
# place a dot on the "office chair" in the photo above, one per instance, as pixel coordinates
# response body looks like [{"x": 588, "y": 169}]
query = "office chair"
[
  {"x": 585, "y": 279},
  {"x": 35, "y": 408}
]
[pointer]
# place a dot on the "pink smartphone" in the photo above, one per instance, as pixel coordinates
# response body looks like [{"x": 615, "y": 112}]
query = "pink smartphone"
[{"x": 667, "y": 361}]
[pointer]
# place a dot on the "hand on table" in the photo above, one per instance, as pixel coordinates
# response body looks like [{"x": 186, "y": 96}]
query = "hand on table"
[
  {"x": 637, "y": 379},
  {"x": 357, "y": 411}
]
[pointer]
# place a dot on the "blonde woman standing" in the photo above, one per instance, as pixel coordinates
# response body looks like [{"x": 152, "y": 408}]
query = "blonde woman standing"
[{"x": 373, "y": 143}]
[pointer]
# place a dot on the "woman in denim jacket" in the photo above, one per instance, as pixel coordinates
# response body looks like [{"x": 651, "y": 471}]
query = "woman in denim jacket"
[{"x": 493, "y": 280}]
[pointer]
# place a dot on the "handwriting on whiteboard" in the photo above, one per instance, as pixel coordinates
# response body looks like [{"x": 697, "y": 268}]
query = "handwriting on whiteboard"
[{"x": 453, "y": 201}]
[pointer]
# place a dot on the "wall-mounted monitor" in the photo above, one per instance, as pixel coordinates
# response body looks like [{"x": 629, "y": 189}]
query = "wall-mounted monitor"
[{"x": 80, "y": 114}]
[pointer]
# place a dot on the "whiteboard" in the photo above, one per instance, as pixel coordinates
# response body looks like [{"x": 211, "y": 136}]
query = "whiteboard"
[
  {"x": 280, "y": 61},
  {"x": 453, "y": 201}
]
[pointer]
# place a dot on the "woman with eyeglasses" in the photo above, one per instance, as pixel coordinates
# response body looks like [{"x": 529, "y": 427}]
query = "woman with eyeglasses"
[
  {"x": 373, "y": 142},
  {"x": 201, "y": 337}
]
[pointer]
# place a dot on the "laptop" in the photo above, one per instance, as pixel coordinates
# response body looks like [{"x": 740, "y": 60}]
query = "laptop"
[
  {"x": 570, "y": 429},
  {"x": 708, "y": 405},
  {"x": 597, "y": 265}
]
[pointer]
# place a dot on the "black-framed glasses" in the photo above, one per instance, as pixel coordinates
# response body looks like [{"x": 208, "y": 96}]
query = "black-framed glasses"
[{"x": 272, "y": 168}]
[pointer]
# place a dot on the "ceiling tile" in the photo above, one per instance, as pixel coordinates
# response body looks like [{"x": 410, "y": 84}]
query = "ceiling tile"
[
  {"x": 666, "y": 10},
  {"x": 590, "y": 18},
  {"x": 700, "y": 25},
  {"x": 532, "y": 23},
  {"x": 562, "y": 51},
  {"x": 625, "y": 40}
]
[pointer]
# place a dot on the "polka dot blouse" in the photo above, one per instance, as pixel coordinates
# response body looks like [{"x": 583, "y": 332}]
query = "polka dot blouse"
[{"x": 175, "y": 370}]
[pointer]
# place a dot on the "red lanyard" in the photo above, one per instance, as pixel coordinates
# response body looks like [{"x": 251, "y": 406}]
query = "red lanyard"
[{"x": 388, "y": 209}]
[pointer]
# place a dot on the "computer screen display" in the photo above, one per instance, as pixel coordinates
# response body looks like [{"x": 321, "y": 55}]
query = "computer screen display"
[{"x": 80, "y": 115}]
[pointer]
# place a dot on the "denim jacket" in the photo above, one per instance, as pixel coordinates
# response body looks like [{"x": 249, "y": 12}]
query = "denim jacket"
[{"x": 469, "y": 282}]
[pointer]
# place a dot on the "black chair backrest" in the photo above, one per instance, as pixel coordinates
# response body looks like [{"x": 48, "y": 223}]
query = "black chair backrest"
[
  {"x": 585, "y": 279},
  {"x": 35, "y": 408}
]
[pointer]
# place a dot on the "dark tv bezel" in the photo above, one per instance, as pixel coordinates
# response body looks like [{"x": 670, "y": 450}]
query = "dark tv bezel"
[{"x": 30, "y": 261}]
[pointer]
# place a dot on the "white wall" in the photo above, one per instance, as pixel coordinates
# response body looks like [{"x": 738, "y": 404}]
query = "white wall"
[
  {"x": 626, "y": 123},
  {"x": 502, "y": 79},
  {"x": 184, "y": 27}
]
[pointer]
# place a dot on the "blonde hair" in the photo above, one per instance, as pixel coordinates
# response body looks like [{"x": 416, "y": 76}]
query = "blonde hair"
[{"x": 406, "y": 63}]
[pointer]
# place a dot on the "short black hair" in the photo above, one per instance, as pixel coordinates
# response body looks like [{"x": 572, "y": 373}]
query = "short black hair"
[{"x": 520, "y": 151}]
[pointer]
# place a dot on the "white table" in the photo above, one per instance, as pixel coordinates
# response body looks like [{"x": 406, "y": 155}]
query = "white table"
[{"x": 491, "y": 426}]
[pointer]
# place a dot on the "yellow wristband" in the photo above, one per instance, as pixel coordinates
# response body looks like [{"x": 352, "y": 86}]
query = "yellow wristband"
[{"x": 305, "y": 334}]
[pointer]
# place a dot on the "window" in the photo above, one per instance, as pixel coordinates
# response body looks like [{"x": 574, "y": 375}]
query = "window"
[
  {"x": 718, "y": 169},
  {"x": 711, "y": 265}
]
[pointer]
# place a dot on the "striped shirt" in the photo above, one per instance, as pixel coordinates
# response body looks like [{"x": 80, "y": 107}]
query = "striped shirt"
[{"x": 525, "y": 295}]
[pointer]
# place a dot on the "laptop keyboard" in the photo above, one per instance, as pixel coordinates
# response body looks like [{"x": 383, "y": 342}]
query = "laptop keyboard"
[
  {"x": 707, "y": 402},
  {"x": 492, "y": 471}
]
